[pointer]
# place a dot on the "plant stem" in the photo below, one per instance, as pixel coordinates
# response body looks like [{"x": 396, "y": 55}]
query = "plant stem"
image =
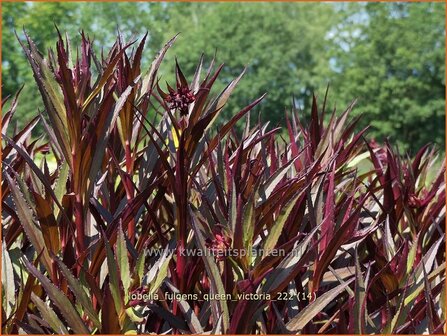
[
  {"x": 79, "y": 222},
  {"x": 129, "y": 191}
]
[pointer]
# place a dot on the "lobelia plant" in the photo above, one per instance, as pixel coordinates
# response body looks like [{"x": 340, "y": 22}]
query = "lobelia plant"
[{"x": 132, "y": 213}]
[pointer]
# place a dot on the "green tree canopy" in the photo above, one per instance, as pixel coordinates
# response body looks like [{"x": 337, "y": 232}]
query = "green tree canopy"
[
  {"x": 283, "y": 45},
  {"x": 388, "y": 55},
  {"x": 393, "y": 61}
]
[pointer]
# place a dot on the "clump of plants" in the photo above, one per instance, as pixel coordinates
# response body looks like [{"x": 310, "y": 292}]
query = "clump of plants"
[{"x": 133, "y": 213}]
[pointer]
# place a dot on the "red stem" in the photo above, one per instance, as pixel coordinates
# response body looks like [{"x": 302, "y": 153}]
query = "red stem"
[
  {"x": 181, "y": 189},
  {"x": 129, "y": 191},
  {"x": 79, "y": 221}
]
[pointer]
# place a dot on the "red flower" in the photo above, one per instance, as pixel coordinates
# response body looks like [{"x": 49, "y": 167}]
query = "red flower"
[
  {"x": 220, "y": 244},
  {"x": 415, "y": 202},
  {"x": 180, "y": 99}
]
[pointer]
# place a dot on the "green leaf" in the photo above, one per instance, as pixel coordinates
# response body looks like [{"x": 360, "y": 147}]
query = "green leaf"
[
  {"x": 51, "y": 95},
  {"x": 308, "y": 313},
  {"x": 37, "y": 171},
  {"x": 97, "y": 158},
  {"x": 79, "y": 292},
  {"x": 232, "y": 209},
  {"x": 149, "y": 78},
  {"x": 27, "y": 222},
  {"x": 133, "y": 315},
  {"x": 390, "y": 248},
  {"x": 218, "y": 307},
  {"x": 114, "y": 279},
  {"x": 360, "y": 295},
  {"x": 406, "y": 301},
  {"x": 60, "y": 300},
  {"x": 218, "y": 104},
  {"x": 267, "y": 188},
  {"x": 123, "y": 261},
  {"x": 442, "y": 301},
  {"x": 104, "y": 77},
  {"x": 49, "y": 315},
  {"x": 159, "y": 271},
  {"x": 248, "y": 227},
  {"x": 139, "y": 266},
  {"x": 284, "y": 270},
  {"x": 401, "y": 311},
  {"x": 278, "y": 225},
  {"x": 418, "y": 275},
  {"x": 355, "y": 161},
  {"x": 60, "y": 187},
  {"x": 8, "y": 285}
]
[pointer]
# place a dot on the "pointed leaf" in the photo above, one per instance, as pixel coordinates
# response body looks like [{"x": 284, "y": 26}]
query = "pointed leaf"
[
  {"x": 309, "y": 312},
  {"x": 123, "y": 261},
  {"x": 60, "y": 300},
  {"x": 8, "y": 285},
  {"x": 79, "y": 292},
  {"x": 49, "y": 315}
]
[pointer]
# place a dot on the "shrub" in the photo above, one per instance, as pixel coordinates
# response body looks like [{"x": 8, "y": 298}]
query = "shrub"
[{"x": 168, "y": 224}]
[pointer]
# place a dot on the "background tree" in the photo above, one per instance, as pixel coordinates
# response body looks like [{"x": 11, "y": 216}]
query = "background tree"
[
  {"x": 389, "y": 56},
  {"x": 35, "y": 17},
  {"x": 283, "y": 45},
  {"x": 393, "y": 59}
]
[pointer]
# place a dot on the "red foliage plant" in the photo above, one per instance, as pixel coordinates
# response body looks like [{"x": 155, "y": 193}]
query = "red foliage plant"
[{"x": 107, "y": 215}]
